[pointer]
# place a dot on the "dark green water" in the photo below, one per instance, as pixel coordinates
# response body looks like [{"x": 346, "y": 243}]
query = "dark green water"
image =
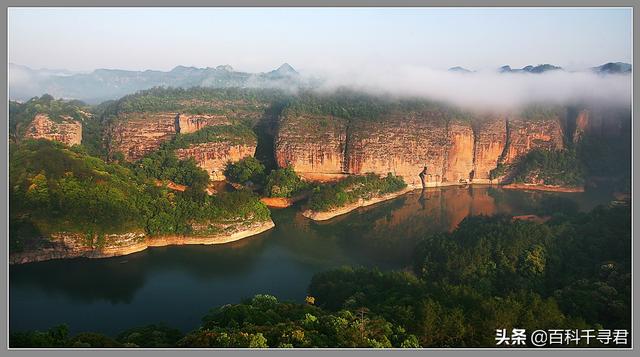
[{"x": 178, "y": 285}]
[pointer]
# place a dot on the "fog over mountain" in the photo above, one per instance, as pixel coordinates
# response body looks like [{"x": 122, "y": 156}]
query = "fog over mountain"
[
  {"x": 502, "y": 88},
  {"x": 490, "y": 89}
]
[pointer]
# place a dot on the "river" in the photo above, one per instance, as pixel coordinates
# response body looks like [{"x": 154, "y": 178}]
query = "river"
[{"x": 178, "y": 285}]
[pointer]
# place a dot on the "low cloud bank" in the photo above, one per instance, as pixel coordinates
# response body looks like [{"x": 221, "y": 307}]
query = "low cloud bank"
[{"x": 485, "y": 90}]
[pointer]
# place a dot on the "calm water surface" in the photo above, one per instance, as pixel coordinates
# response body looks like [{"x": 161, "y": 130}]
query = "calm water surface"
[{"x": 178, "y": 285}]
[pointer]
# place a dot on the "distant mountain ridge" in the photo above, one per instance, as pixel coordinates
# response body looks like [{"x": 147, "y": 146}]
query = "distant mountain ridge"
[
  {"x": 105, "y": 84},
  {"x": 541, "y": 68},
  {"x": 613, "y": 67},
  {"x": 459, "y": 69}
]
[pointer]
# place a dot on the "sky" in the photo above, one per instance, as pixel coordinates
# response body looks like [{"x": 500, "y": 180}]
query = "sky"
[{"x": 317, "y": 39}]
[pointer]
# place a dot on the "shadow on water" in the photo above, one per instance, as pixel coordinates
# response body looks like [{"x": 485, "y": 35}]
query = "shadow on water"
[{"x": 177, "y": 285}]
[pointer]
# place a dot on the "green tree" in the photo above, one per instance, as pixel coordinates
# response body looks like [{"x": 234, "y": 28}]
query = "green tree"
[{"x": 248, "y": 169}]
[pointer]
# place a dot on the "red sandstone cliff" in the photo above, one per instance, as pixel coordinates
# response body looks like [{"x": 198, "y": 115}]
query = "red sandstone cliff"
[
  {"x": 489, "y": 143},
  {"x": 454, "y": 150},
  {"x": 398, "y": 144},
  {"x": 603, "y": 122},
  {"x": 67, "y": 130},
  {"x": 137, "y": 134},
  {"x": 312, "y": 144}
]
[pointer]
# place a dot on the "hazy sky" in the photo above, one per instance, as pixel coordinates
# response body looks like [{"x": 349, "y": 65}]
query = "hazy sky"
[{"x": 260, "y": 39}]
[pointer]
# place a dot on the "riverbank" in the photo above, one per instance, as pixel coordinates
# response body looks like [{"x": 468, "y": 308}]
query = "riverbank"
[
  {"x": 325, "y": 215},
  {"x": 74, "y": 245},
  {"x": 550, "y": 188}
]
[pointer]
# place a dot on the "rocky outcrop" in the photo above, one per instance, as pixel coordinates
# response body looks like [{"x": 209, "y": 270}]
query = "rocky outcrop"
[
  {"x": 137, "y": 134},
  {"x": 454, "y": 150},
  {"x": 73, "y": 245},
  {"x": 213, "y": 156},
  {"x": 66, "y": 130}
]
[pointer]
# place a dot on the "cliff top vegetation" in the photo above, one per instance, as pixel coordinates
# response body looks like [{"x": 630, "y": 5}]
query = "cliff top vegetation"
[
  {"x": 196, "y": 100},
  {"x": 353, "y": 105}
]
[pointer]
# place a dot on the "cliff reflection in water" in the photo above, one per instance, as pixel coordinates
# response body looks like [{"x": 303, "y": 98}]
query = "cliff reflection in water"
[
  {"x": 178, "y": 285},
  {"x": 388, "y": 231}
]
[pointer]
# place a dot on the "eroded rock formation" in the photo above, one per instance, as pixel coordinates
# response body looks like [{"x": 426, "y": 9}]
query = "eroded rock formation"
[
  {"x": 397, "y": 144},
  {"x": 66, "y": 130}
]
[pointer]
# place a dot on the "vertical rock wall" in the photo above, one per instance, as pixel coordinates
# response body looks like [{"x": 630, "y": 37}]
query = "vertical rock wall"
[
  {"x": 489, "y": 144},
  {"x": 398, "y": 144},
  {"x": 454, "y": 150},
  {"x": 312, "y": 144},
  {"x": 459, "y": 159}
]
